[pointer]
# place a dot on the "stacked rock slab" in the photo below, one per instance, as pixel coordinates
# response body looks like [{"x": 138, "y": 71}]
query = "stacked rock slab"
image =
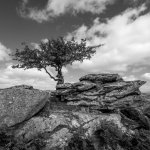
[{"x": 101, "y": 91}]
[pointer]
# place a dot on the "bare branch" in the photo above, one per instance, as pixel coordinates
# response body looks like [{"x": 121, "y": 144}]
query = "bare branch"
[{"x": 50, "y": 75}]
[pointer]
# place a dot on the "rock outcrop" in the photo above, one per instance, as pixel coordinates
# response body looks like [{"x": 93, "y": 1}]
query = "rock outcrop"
[
  {"x": 101, "y": 111},
  {"x": 60, "y": 127},
  {"x": 20, "y": 103},
  {"x": 101, "y": 91}
]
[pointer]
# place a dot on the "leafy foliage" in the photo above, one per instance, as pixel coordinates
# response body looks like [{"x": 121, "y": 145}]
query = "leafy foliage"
[{"x": 55, "y": 53}]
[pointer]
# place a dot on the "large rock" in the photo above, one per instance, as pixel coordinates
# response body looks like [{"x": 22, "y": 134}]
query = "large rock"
[
  {"x": 58, "y": 128},
  {"x": 20, "y": 103},
  {"x": 101, "y": 91}
]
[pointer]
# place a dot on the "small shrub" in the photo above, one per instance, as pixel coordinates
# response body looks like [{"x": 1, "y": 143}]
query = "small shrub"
[{"x": 78, "y": 143}]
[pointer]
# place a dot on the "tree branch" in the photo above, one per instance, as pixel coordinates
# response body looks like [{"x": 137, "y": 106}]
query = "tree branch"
[{"x": 50, "y": 75}]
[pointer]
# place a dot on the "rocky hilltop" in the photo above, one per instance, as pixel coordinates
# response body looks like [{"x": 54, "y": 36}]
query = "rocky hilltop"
[{"x": 100, "y": 112}]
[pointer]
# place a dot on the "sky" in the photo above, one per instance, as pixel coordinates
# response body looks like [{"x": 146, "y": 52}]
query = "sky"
[{"x": 123, "y": 26}]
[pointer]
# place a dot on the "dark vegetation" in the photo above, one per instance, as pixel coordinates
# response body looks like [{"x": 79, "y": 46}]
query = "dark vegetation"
[{"x": 9, "y": 142}]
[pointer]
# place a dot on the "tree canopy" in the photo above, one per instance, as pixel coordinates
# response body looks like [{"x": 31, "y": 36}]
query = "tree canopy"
[{"x": 55, "y": 53}]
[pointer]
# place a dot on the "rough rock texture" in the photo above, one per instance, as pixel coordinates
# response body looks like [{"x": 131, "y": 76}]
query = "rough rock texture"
[
  {"x": 103, "y": 78},
  {"x": 101, "y": 91},
  {"x": 62, "y": 127},
  {"x": 101, "y": 112},
  {"x": 57, "y": 129},
  {"x": 19, "y": 103}
]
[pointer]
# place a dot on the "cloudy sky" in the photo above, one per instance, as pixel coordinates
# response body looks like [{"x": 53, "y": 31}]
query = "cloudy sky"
[{"x": 123, "y": 26}]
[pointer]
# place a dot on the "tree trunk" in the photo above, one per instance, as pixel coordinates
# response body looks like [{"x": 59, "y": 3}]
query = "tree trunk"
[{"x": 60, "y": 76}]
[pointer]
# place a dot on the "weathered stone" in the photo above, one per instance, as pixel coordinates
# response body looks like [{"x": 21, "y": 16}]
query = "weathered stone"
[
  {"x": 64, "y": 86},
  {"x": 20, "y": 103},
  {"x": 84, "y": 86},
  {"x": 84, "y": 103},
  {"x": 65, "y": 92},
  {"x": 79, "y": 97},
  {"x": 104, "y": 90},
  {"x": 146, "y": 110},
  {"x": 120, "y": 93},
  {"x": 123, "y": 85},
  {"x": 102, "y": 78},
  {"x": 115, "y": 93},
  {"x": 58, "y": 129},
  {"x": 117, "y": 89},
  {"x": 111, "y": 103},
  {"x": 132, "y": 100},
  {"x": 95, "y": 92},
  {"x": 138, "y": 119}
]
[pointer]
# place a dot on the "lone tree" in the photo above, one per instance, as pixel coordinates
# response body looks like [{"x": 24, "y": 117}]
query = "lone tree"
[{"x": 55, "y": 53}]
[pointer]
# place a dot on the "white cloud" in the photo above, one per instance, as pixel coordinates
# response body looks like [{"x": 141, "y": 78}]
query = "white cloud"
[
  {"x": 126, "y": 41},
  {"x": 129, "y": 78},
  {"x": 38, "y": 79},
  {"x": 56, "y": 8},
  {"x": 64, "y": 70},
  {"x": 146, "y": 76},
  {"x": 44, "y": 40},
  {"x": 4, "y": 53},
  {"x": 138, "y": 69},
  {"x": 145, "y": 88},
  {"x": 35, "y": 45}
]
